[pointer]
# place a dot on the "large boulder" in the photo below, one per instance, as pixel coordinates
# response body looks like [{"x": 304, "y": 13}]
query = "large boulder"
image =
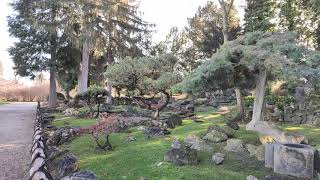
[
  {"x": 63, "y": 166},
  {"x": 172, "y": 121},
  {"x": 294, "y": 159},
  {"x": 215, "y": 136},
  {"x": 235, "y": 145},
  {"x": 224, "y": 129},
  {"x": 184, "y": 155},
  {"x": 196, "y": 143}
]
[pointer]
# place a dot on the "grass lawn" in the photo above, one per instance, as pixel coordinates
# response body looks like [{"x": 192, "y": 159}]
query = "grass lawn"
[
  {"x": 144, "y": 157},
  {"x": 61, "y": 120}
]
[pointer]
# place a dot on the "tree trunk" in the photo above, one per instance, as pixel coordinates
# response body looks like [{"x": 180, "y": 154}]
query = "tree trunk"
[
  {"x": 225, "y": 17},
  {"x": 84, "y": 69},
  {"x": 53, "y": 99},
  {"x": 259, "y": 96},
  {"x": 166, "y": 102},
  {"x": 257, "y": 124},
  {"x": 109, "y": 89},
  {"x": 240, "y": 103},
  {"x": 53, "y": 89}
]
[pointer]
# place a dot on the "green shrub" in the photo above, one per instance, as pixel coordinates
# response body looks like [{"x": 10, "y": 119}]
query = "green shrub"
[
  {"x": 280, "y": 101},
  {"x": 248, "y": 101},
  {"x": 94, "y": 96}
]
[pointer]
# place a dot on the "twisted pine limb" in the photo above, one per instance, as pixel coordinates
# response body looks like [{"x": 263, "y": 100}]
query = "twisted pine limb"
[{"x": 157, "y": 108}]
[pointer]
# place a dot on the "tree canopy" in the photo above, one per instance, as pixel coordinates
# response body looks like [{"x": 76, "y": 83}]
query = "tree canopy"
[
  {"x": 146, "y": 76},
  {"x": 237, "y": 62}
]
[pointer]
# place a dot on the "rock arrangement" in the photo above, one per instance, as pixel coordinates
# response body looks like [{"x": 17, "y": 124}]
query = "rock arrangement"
[
  {"x": 47, "y": 161},
  {"x": 39, "y": 166}
]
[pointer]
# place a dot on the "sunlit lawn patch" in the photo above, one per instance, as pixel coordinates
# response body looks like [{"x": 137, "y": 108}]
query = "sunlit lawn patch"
[
  {"x": 144, "y": 157},
  {"x": 72, "y": 121}
]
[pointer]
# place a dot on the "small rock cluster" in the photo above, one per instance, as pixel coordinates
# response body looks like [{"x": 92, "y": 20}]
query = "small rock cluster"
[
  {"x": 60, "y": 136},
  {"x": 71, "y": 112}
]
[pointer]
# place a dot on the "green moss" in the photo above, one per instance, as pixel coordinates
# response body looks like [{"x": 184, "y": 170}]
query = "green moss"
[{"x": 72, "y": 121}]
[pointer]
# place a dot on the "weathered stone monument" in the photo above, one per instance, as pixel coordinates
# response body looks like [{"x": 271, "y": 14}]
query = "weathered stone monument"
[{"x": 290, "y": 159}]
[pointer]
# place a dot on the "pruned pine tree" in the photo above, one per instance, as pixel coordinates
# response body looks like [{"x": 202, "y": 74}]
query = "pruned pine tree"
[
  {"x": 146, "y": 76},
  {"x": 259, "y": 58}
]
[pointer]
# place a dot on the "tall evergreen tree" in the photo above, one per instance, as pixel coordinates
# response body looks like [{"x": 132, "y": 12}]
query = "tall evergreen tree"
[
  {"x": 112, "y": 26},
  {"x": 205, "y": 29},
  {"x": 258, "y": 15},
  {"x": 301, "y": 16},
  {"x": 34, "y": 24}
]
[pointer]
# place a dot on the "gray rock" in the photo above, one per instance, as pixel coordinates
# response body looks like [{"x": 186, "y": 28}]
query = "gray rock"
[
  {"x": 182, "y": 156},
  {"x": 218, "y": 158},
  {"x": 70, "y": 112},
  {"x": 172, "y": 121},
  {"x": 67, "y": 165},
  {"x": 252, "y": 149},
  {"x": 269, "y": 155},
  {"x": 224, "y": 129},
  {"x": 260, "y": 152},
  {"x": 196, "y": 143},
  {"x": 234, "y": 145},
  {"x": 256, "y": 151},
  {"x": 155, "y": 131},
  {"x": 215, "y": 136},
  {"x": 233, "y": 124},
  {"x": 131, "y": 138},
  {"x": 294, "y": 159},
  {"x": 251, "y": 178},
  {"x": 81, "y": 175},
  {"x": 175, "y": 144}
]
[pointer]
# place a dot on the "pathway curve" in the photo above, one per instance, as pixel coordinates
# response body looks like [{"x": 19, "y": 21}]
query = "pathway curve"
[{"x": 16, "y": 129}]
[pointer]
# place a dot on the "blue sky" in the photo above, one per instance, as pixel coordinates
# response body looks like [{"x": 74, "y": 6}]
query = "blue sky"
[{"x": 164, "y": 13}]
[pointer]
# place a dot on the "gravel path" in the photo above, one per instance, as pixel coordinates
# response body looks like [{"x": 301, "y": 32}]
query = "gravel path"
[{"x": 16, "y": 129}]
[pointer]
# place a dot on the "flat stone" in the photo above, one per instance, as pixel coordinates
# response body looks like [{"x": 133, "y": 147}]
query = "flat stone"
[
  {"x": 197, "y": 143},
  {"x": 234, "y": 145},
  {"x": 215, "y": 136}
]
